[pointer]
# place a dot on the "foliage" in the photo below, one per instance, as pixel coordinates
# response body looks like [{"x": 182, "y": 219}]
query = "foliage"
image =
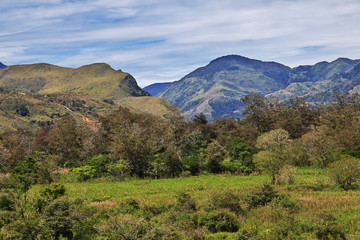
[
  {"x": 123, "y": 227},
  {"x": 215, "y": 154},
  {"x": 34, "y": 169},
  {"x": 118, "y": 169},
  {"x": 57, "y": 221},
  {"x": 227, "y": 200},
  {"x": 240, "y": 154},
  {"x": 345, "y": 171},
  {"x": 287, "y": 174},
  {"x": 184, "y": 203},
  {"x": 274, "y": 156},
  {"x": 261, "y": 197},
  {"x": 219, "y": 221},
  {"x": 84, "y": 173},
  {"x": 99, "y": 164},
  {"x": 326, "y": 226}
]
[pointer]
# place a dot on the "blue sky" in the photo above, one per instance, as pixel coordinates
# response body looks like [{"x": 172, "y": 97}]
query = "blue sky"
[{"x": 162, "y": 40}]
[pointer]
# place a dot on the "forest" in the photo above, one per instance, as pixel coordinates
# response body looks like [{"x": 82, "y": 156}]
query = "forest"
[{"x": 279, "y": 155}]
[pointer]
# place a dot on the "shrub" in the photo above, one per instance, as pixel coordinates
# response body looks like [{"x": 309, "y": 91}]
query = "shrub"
[
  {"x": 185, "y": 203},
  {"x": 345, "y": 172},
  {"x": 6, "y": 203},
  {"x": 285, "y": 202},
  {"x": 219, "y": 221},
  {"x": 185, "y": 174},
  {"x": 287, "y": 174},
  {"x": 98, "y": 163},
  {"x": 326, "y": 226},
  {"x": 57, "y": 220},
  {"x": 260, "y": 198},
  {"x": 123, "y": 227},
  {"x": 48, "y": 194},
  {"x": 118, "y": 169},
  {"x": 84, "y": 173},
  {"x": 226, "y": 200},
  {"x": 129, "y": 206}
]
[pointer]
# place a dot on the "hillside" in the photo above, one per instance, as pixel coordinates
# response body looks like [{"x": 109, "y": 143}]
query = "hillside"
[
  {"x": 35, "y": 94},
  {"x": 156, "y": 88},
  {"x": 32, "y": 110},
  {"x": 2, "y": 66},
  {"x": 97, "y": 79},
  {"x": 216, "y": 88},
  {"x": 317, "y": 83}
]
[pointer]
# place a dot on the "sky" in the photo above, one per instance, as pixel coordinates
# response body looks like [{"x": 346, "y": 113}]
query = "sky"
[{"x": 163, "y": 40}]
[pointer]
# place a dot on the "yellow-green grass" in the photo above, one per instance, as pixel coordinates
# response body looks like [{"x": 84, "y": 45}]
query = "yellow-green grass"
[
  {"x": 162, "y": 191},
  {"x": 312, "y": 191}
]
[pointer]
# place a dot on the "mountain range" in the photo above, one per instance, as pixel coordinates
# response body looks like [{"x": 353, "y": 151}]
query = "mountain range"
[
  {"x": 2, "y": 66},
  {"x": 40, "y": 93},
  {"x": 216, "y": 89}
]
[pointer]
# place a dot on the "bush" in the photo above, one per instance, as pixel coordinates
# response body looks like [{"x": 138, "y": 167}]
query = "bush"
[
  {"x": 98, "y": 163},
  {"x": 84, "y": 173},
  {"x": 287, "y": 174},
  {"x": 345, "y": 172},
  {"x": 123, "y": 227},
  {"x": 286, "y": 202},
  {"x": 218, "y": 221},
  {"x": 185, "y": 203},
  {"x": 57, "y": 220},
  {"x": 226, "y": 200},
  {"x": 118, "y": 169},
  {"x": 129, "y": 206},
  {"x": 6, "y": 202},
  {"x": 326, "y": 226},
  {"x": 260, "y": 198},
  {"x": 48, "y": 194}
]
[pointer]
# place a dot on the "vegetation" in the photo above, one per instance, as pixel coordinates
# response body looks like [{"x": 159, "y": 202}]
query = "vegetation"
[{"x": 131, "y": 175}]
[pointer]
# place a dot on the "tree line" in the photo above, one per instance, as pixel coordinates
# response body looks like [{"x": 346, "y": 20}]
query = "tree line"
[{"x": 272, "y": 134}]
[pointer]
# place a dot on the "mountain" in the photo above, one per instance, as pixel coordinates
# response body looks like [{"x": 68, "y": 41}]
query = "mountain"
[
  {"x": 35, "y": 94},
  {"x": 2, "y": 66},
  {"x": 156, "y": 88},
  {"x": 317, "y": 83},
  {"x": 29, "y": 110},
  {"x": 96, "y": 79},
  {"x": 216, "y": 89}
]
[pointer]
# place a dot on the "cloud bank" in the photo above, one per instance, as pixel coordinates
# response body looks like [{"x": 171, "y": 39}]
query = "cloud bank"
[{"x": 162, "y": 40}]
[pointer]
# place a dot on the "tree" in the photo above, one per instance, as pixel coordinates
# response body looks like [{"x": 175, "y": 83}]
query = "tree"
[
  {"x": 65, "y": 140},
  {"x": 345, "y": 171},
  {"x": 215, "y": 154},
  {"x": 294, "y": 116},
  {"x": 273, "y": 157}
]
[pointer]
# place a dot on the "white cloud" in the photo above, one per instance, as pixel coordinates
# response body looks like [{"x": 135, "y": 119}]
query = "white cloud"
[{"x": 162, "y": 40}]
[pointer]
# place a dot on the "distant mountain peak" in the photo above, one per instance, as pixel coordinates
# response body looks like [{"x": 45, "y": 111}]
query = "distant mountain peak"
[{"x": 2, "y": 66}]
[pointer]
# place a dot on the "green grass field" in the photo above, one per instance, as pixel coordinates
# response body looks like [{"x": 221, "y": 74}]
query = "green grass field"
[{"x": 312, "y": 192}]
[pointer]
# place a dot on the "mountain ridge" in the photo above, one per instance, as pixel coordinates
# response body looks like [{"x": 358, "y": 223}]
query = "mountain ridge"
[
  {"x": 216, "y": 89},
  {"x": 97, "y": 79}
]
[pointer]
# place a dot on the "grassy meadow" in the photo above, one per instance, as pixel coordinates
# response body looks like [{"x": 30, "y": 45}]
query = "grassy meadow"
[{"x": 312, "y": 192}]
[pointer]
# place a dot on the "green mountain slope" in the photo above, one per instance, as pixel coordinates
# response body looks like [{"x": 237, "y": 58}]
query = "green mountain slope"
[
  {"x": 36, "y": 94},
  {"x": 216, "y": 89},
  {"x": 318, "y": 83},
  {"x": 96, "y": 79},
  {"x": 29, "y": 110}
]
